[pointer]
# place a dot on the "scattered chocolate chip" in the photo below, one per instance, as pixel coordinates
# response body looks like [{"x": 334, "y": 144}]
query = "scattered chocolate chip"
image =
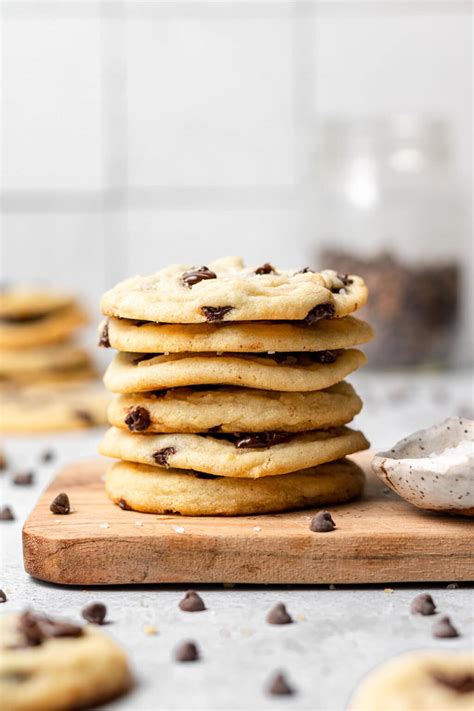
[
  {"x": 320, "y": 312},
  {"x": 215, "y": 313},
  {"x": 323, "y": 356},
  {"x": 203, "y": 475},
  {"x": 123, "y": 505},
  {"x": 444, "y": 628},
  {"x": 279, "y": 686},
  {"x": 47, "y": 456},
  {"x": 35, "y": 629},
  {"x": 306, "y": 270},
  {"x": 104, "y": 337},
  {"x": 259, "y": 440},
  {"x": 265, "y": 269},
  {"x": 322, "y": 522},
  {"x": 192, "y": 602},
  {"x": 423, "y": 605},
  {"x": 95, "y": 613},
  {"x": 346, "y": 280},
  {"x": 278, "y": 615},
  {"x": 462, "y": 683},
  {"x": 85, "y": 417},
  {"x": 60, "y": 505},
  {"x": 186, "y": 652},
  {"x": 171, "y": 512},
  {"x": 6, "y": 513},
  {"x": 23, "y": 479},
  {"x": 3, "y": 597},
  {"x": 196, "y": 275},
  {"x": 138, "y": 419},
  {"x": 145, "y": 356},
  {"x": 161, "y": 456}
]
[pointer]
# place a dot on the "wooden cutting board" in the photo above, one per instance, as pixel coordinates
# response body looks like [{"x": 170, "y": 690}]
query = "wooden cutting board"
[{"x": 378, "y": 539}]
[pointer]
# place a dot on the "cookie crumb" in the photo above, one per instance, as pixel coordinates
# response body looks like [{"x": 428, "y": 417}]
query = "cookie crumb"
[
  {"x": 178, "y": 529},
  {"x": 138, "y": 523},
  {"x": 150, "y": 630},
  {"x": 257, "y": 528},
  {"x": 388, "y": 591},
  {"x": 104, "y": 525}
]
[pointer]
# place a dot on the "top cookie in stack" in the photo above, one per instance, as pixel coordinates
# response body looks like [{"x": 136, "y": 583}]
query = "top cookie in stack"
[{"x": 230, "y": 388}]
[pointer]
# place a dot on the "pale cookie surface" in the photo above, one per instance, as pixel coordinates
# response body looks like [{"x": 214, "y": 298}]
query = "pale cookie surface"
[
  {"x": 60, "y": 672},
  {"x": 419, "y": 681},
  {"x": 229, "y": 457},
  {"x": 234, "y": 293},
  {"x": 245, "y": 337},
  {"x": 44, "y": 359},
  {"x": 231, "y": 409},
  {"x": 51, "y": 327},
  {"x": 53, "y": 407},
  {"x": 129, "y": 373},
  {"x": 173, "y": 491},
  {"x": 27, "y": 302}
]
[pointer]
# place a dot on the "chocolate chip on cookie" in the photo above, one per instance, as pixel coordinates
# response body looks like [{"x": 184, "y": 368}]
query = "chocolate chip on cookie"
[
  {"x": 104, "y": 336},
  {"x": 23, "y": 479},
  {"x": 192, "y": 602},
  {"x": 322, "y": 522},
  {"x": 186, "y": 652},
  {"x": 35, "y": 629},
  {"x": 462, "y": 684},
  {"x": 323, "y": 356},
  {"x": 320, "y": 312},
  {"x": 161, "y": 456},
  {"x": 122, "y": 504},
  {"x": 95, "y": 613},
  {"x": 278, "y": 615},
  {"x": 215, "y": 313},
  {"x": 6, "y": 513},
  {"x": 346, "y": 280},
  {"x": 3, "y": 597},
  {"x": 85, "y": 417},
  {"x": 305, "y": 270},
  {"x": 259, "y": 440},
  {"x": 60, "y": 504},
  {"x": 279, "y": 686},
  {"x": 423, "y": 605},
  {"x": 194, "y": 276},
  {"x": 444, "y": 628},
  {"x": 265, "y": 269},
  {"x": 138, "y": 419}
]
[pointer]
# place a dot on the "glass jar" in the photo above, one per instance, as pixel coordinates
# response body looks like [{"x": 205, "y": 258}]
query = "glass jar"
[{"x": 390, "y": 208}]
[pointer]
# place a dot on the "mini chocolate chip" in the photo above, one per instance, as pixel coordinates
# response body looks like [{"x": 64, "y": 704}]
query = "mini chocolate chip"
[
  {"x": 6, "y": 513},
  {"x": 95, "y": 613},
  {"x": 104, "y": 337},
  {"x": 306, "y": 270},
  {"x": 265, "y": 269},
  {"x": 60, "y": 504},
  {"x": 138, "y": 419},
  {"x": 444, "y": 628},
  {"x": 194, "y": 276},
  {"x": 161, "y": 456},
  {"x": 186, "y": 652},
  {"x": 215, "y": 313},
  {"x": 346, "y": 280},
  {"x": 278, "y": 615},
  {"x": 121, "y": 503},
  {"x": 322, "y": 522},
  {"x": 258, "y": 440},
  {"x": 37, "y": 628},
  {"x": 192, "y": 602},
  {"x": 279, "y": 686},
  {"x": 323, "y": 356},
  {"x": 320, "y": 312},
  {"x": 462, "y": 683},
  {"x": 3, "y": 597},
  {"x": 85, "y": 417},
  {"x": 23, "y": 479},
  {"x": 423, "y": 605},
  {"x": 47, "y": 456}
]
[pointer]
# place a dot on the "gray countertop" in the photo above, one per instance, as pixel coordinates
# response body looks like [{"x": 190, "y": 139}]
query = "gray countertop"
[{"x": 339, "y": 634}]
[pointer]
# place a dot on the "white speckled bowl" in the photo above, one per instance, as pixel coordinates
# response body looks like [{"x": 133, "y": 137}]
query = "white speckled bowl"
[{"x": 434, "y": 468}]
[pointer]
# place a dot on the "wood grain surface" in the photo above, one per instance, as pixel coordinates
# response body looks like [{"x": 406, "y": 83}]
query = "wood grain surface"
[{"x": 378, "y": 539}]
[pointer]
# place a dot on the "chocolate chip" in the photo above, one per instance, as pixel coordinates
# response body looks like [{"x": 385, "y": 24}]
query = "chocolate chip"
[
  {"x": 323, "y": 356},
  {"x": 121, "y": 503},
  {"x": 14, "y": 677},
  {"x": 215, "y": 313},
  {"x": 444, "y": 628},
  {"x": 306, "y": 270},
  {"x": 138, "y": 419},
  {"x": 322, "y": 522},
  {"x": 346, "y": 280},
  {"x": 161, "y": 456},
  {"x": 23, "y": 479},
  {"x": 279, "y": 686},
  {"x": 320, "y": 312},
  {"x": 47, "y": 456},
  {"x": 203, "y": 475},
  {"x": 423, "y": 605},
  {"x": 35, "y": 629},
  {"x": 265, "y": 269},
  {"x": 85, "y": 417},
  {"x": 145, "y": 356},
  {"x": 60, "y": 505},
  {"x": 6, "y": 513},
  {"x": 186, "y": 652},
  {"x": 278, "y": 615},
  {"x": 196, "y": 275},
  {"x": 3, "y": 597},
  {"x": 192, "y": 602},
  {"x": 95, "y": 613},
  {"x": 104, "y": 337},
  {"x": 259, "y": 440},
  {"x": 462, "y": 683}
]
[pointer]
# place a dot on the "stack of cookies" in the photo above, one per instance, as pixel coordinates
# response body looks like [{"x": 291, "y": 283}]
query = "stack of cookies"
[
  {"x": 46, "y": 380},
  {"x": 230, "y": 389}
]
